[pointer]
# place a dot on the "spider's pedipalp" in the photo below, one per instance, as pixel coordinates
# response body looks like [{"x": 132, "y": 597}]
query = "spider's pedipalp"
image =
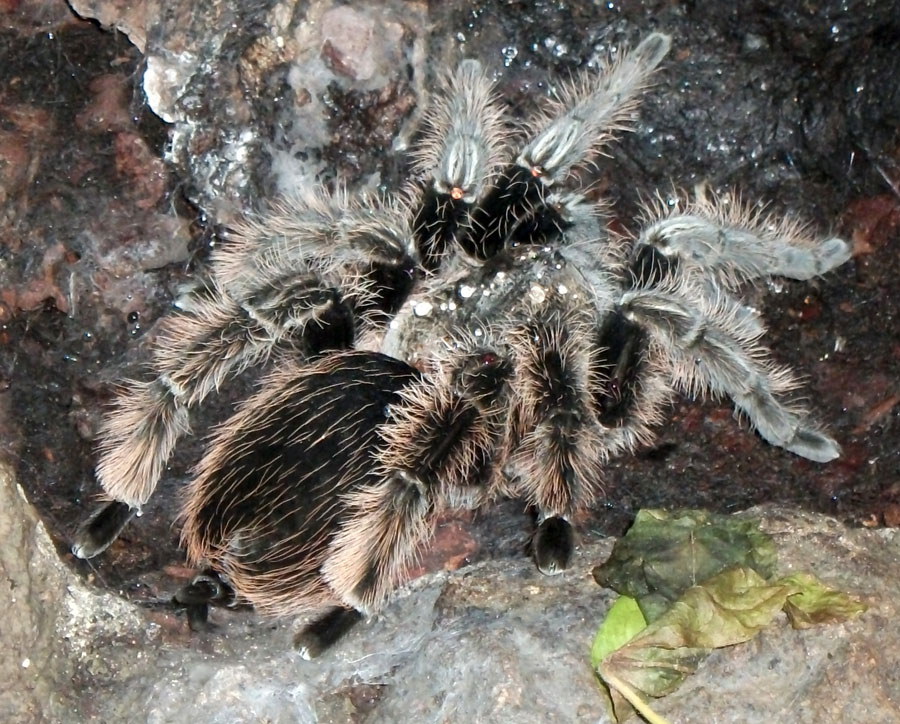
[
  {"x": 722, "y": 237},
  {"x": 465, "y": 136},
  {"x": 567, "y": 134},
  {"x": 582, "y": 120},
  {"x": 462, "y": 148}
]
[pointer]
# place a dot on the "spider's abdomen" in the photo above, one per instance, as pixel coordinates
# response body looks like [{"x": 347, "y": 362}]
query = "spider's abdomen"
[{"x": 268, "y": 497}]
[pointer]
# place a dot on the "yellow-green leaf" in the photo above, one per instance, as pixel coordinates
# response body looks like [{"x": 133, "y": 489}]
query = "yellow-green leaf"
[
  {"x": 657, "y": 567},
  {"x": 815, "y": 603},
  {"x": 623, "y": 622}
]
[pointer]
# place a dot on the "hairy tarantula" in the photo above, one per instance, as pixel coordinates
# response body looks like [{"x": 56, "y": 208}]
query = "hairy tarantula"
[{"x": 483, "y": 334}]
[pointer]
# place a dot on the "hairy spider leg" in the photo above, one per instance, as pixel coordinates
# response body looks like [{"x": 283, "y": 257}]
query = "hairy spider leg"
[
  {"x": 557, "y": 448},
  {"x": 194, "y": 354},
  {"x": 459, "y": 155},
  {"x": 284, "y": 302},
  {"x": 629, "y": 388},
  {"x": 701, "y": 253},
  {"x": 101, "y": 528},
  {"x": 723, "y": 239},
  {"x": 711, "y": 345},
  {"x": 440, "y": 449},
  {"x": 568, "y": 133},
  {"x": 365, "y": 243}
]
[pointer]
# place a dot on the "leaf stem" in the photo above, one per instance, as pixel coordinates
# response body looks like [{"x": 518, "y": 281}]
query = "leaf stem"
[{"x": 642, "y": 707}]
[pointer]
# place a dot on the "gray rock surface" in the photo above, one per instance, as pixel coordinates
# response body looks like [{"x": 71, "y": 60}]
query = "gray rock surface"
[{"x": 495, "y": 642}]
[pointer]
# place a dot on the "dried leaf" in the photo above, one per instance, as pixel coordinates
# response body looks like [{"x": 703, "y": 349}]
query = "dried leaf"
[
  {"x": 728, "y": 609},
  {"x": 814, "y": 603}
]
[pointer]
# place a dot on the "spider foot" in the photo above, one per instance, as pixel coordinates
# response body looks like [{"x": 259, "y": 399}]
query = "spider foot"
[
  {"x": 198, "y": 618},
  {"x": 99, "y": 531},
  {"x": 325, "y": 631},
  {"x": 553, "y": 544},
  {"x": 206, "y": 587},
  {"x": 813, "y": 445}
]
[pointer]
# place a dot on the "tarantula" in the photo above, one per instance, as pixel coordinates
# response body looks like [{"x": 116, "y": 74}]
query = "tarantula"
[{"x": 482, "y": 334}]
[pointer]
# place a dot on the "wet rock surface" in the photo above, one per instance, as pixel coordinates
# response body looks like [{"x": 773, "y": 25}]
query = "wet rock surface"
[{"x": 105, "y": 210}]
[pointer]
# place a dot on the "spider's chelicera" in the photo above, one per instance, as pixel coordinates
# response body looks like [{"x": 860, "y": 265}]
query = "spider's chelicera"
[{"x": 483, "y": 334}]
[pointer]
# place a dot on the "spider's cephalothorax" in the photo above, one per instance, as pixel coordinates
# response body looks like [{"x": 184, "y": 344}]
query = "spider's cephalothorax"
[{"x": 483, "y": 335}]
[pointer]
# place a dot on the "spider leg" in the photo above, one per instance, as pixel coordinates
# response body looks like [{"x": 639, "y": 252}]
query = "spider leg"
[
  {"x": 439, "y": 449},
  {"x": 711, "y": 345},
  {"x": 325, "y": 631},
  {"x": 323, "y": 234},
  {"x": 568, "y": 133},
  {"x": 558, "y": 445},
  {"x": 459, "y": 155},
  {"x": 194, "y": 355},
  {"x": 197, "y": 352},
  {"x": 283, "y": 302},
  {"x": 584, "y": 395},
  {"x": 727, "y": 241}
]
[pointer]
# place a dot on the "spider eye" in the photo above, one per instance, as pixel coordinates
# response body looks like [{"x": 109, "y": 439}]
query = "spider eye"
[
  {"x": 489, "y": 358},
  {"x": 456, "y": 193},
  {"x": 537, "y": 171}
]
